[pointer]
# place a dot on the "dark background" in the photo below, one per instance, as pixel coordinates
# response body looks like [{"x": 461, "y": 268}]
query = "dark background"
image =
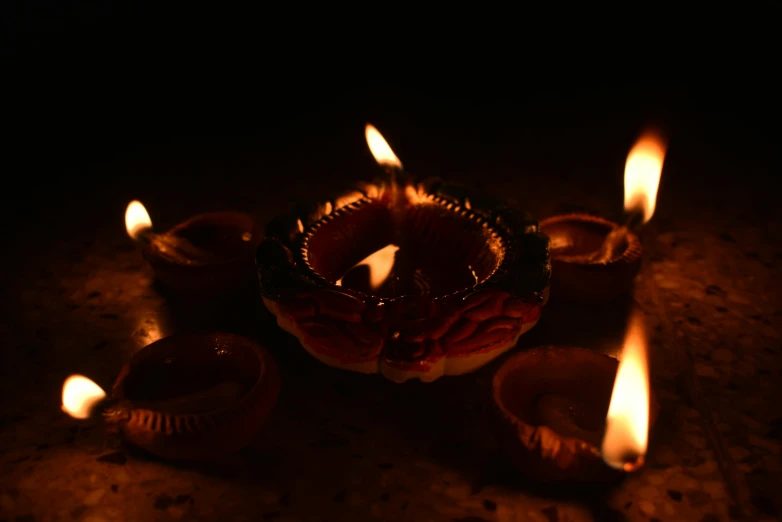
[{"x": 93, "y": 87}]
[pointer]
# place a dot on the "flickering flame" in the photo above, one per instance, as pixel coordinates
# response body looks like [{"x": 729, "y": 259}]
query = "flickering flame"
[
  {"x": 380, "y": 265},
  {"x": 642, "y": 174},
  {"x": 80, "y": 395},
  {"x": 379, "y": 148},
  {"x": 136, "y": 219},
  {"x": 627, "y": 423}
]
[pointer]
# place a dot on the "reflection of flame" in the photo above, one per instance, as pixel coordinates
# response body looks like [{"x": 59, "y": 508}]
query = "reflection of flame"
[
  {"x": 627, "y": 423},
  {"x": 380, "y": 149},
  {"x": 642, "y": 174},
  {"x": 80, "y": 395},
  {"x": 380, "y": 264},
  {"x": 136, "y": 219}
]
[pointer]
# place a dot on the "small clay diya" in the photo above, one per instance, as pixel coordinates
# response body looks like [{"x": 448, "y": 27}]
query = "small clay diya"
[
  {"x": 207, "y": 254},
  {"x": 194, "y": 396},
  {"x": 412, "y": 281},
  {"x": 596, "y": 260},
  {"x": 551, "y": 405},
  {"x": 584, "y": 268}
]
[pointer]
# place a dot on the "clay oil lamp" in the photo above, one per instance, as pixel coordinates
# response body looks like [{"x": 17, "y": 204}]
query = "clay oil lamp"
[
  {"x": 594, "y": 259},
  {"x": 558, "y": 418},
  {"x": 404, "y": 278},
  {"x": 185, "y": 397},
  {"x": 207, "y": 254}
]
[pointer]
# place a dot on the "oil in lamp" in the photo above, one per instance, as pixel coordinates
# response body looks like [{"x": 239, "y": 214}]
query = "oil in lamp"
[
  {"x": 404, "y": 278},
  {"x": 184, "y": 397},
  {"x": 207, "y": 254},
  {"x": 571, "y": 414},
  {"x": 594, "y": 259}
]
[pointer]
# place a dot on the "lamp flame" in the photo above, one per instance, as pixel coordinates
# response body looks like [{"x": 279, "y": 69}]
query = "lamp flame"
[
  {"x": 80, "y": 395},
  {"x": 642, "y": 174},
  {"x": 136, "y": 219},
  {"x": 627, "y": 423},
  {"x": 380, "y": 265},
  {"x": 380, "y": 149}
]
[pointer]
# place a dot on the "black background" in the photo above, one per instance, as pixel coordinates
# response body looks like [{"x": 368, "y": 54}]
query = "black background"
[{"x": 91, "y": 84}]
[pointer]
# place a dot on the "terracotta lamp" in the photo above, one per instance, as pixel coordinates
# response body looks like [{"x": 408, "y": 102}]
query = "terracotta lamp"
[
  {"x": 207, "y": 254},
  {"x": 412, "y": 280},
  {"x": 559, "y": 420},
  {"x": 185, "y": 397},
  {"x": 594, "y": 259}
]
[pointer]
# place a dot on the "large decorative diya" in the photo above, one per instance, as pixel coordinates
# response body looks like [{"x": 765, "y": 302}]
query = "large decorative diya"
[
  {"x": 412, "y": 281},
  {"x": 554, "y": 406},
  {"x": 594, "y": 259},
  {"x": 185, "y": 397},
  {"x": 207, "y": 254}
]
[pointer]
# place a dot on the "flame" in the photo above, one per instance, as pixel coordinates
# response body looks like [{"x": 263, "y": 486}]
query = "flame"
[
  {"x": 380, "y": 264},
  {"x": 380, "y": 149},
  {"x": 80, "y": 395},
  {"x": 642, "y": 174},
  {"x": 627, "y": 423},
  {"x": 136, "y": 219}
]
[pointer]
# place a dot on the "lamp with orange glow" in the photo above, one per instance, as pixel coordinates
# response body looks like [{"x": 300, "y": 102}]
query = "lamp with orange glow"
[
  {"x": 566, "y": 412},
  {"x": 207, "y": 254},
  {"x": 595, "y": 259},
  {"x": 404, "y": 278},
  {"x": 184, "y": 397}
]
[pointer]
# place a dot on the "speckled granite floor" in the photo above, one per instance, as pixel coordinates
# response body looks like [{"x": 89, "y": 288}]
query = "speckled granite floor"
[{"x": 342, "y": 447}]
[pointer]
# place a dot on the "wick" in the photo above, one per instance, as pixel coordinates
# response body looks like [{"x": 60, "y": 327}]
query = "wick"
[
  {"x": 612, "y": 244},
  {"x": 633, "y": 464},
  {"x": 628, "y": 461},
  {"x": 112, "y": 410},
  {"x": 176, "y": 247},
  {"x": 616, "y": 240}
]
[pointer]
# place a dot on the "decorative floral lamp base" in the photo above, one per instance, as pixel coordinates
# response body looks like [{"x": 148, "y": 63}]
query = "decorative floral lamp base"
[{"x": 418, "y": 281}]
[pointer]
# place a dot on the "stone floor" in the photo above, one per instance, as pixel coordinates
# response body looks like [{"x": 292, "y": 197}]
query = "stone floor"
[{"x": 343, "y": 447}]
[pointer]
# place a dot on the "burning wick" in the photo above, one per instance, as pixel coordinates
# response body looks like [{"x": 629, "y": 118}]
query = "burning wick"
[
  {"x": 80, "y": 396},
  {"x": 83, "y": 399},
  {"x": 627, "y": 423},
  {"x": 386, "y": 158},
  {"x": 139, "y": 227},
  {"x": 642, "y": 179},
  {"x": 380, "y": 149}
]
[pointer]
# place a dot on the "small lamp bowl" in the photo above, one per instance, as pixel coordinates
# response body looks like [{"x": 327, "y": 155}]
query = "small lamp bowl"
[
  {"x": 576, "y": 277},
  {"x": 151, "y": 385},
  {"x": 478, "y": 278},
  {"x": 536, "y": 449},
  {"x": 231, "y": 236}
]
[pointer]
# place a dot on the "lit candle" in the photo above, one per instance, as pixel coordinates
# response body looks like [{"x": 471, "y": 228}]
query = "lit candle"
[
  {"x": 139, "y": 227},
  {"x": 641, "y": 181},
  {"x": 181, "y": 398},
  {"x": 207, "y": 254}
]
